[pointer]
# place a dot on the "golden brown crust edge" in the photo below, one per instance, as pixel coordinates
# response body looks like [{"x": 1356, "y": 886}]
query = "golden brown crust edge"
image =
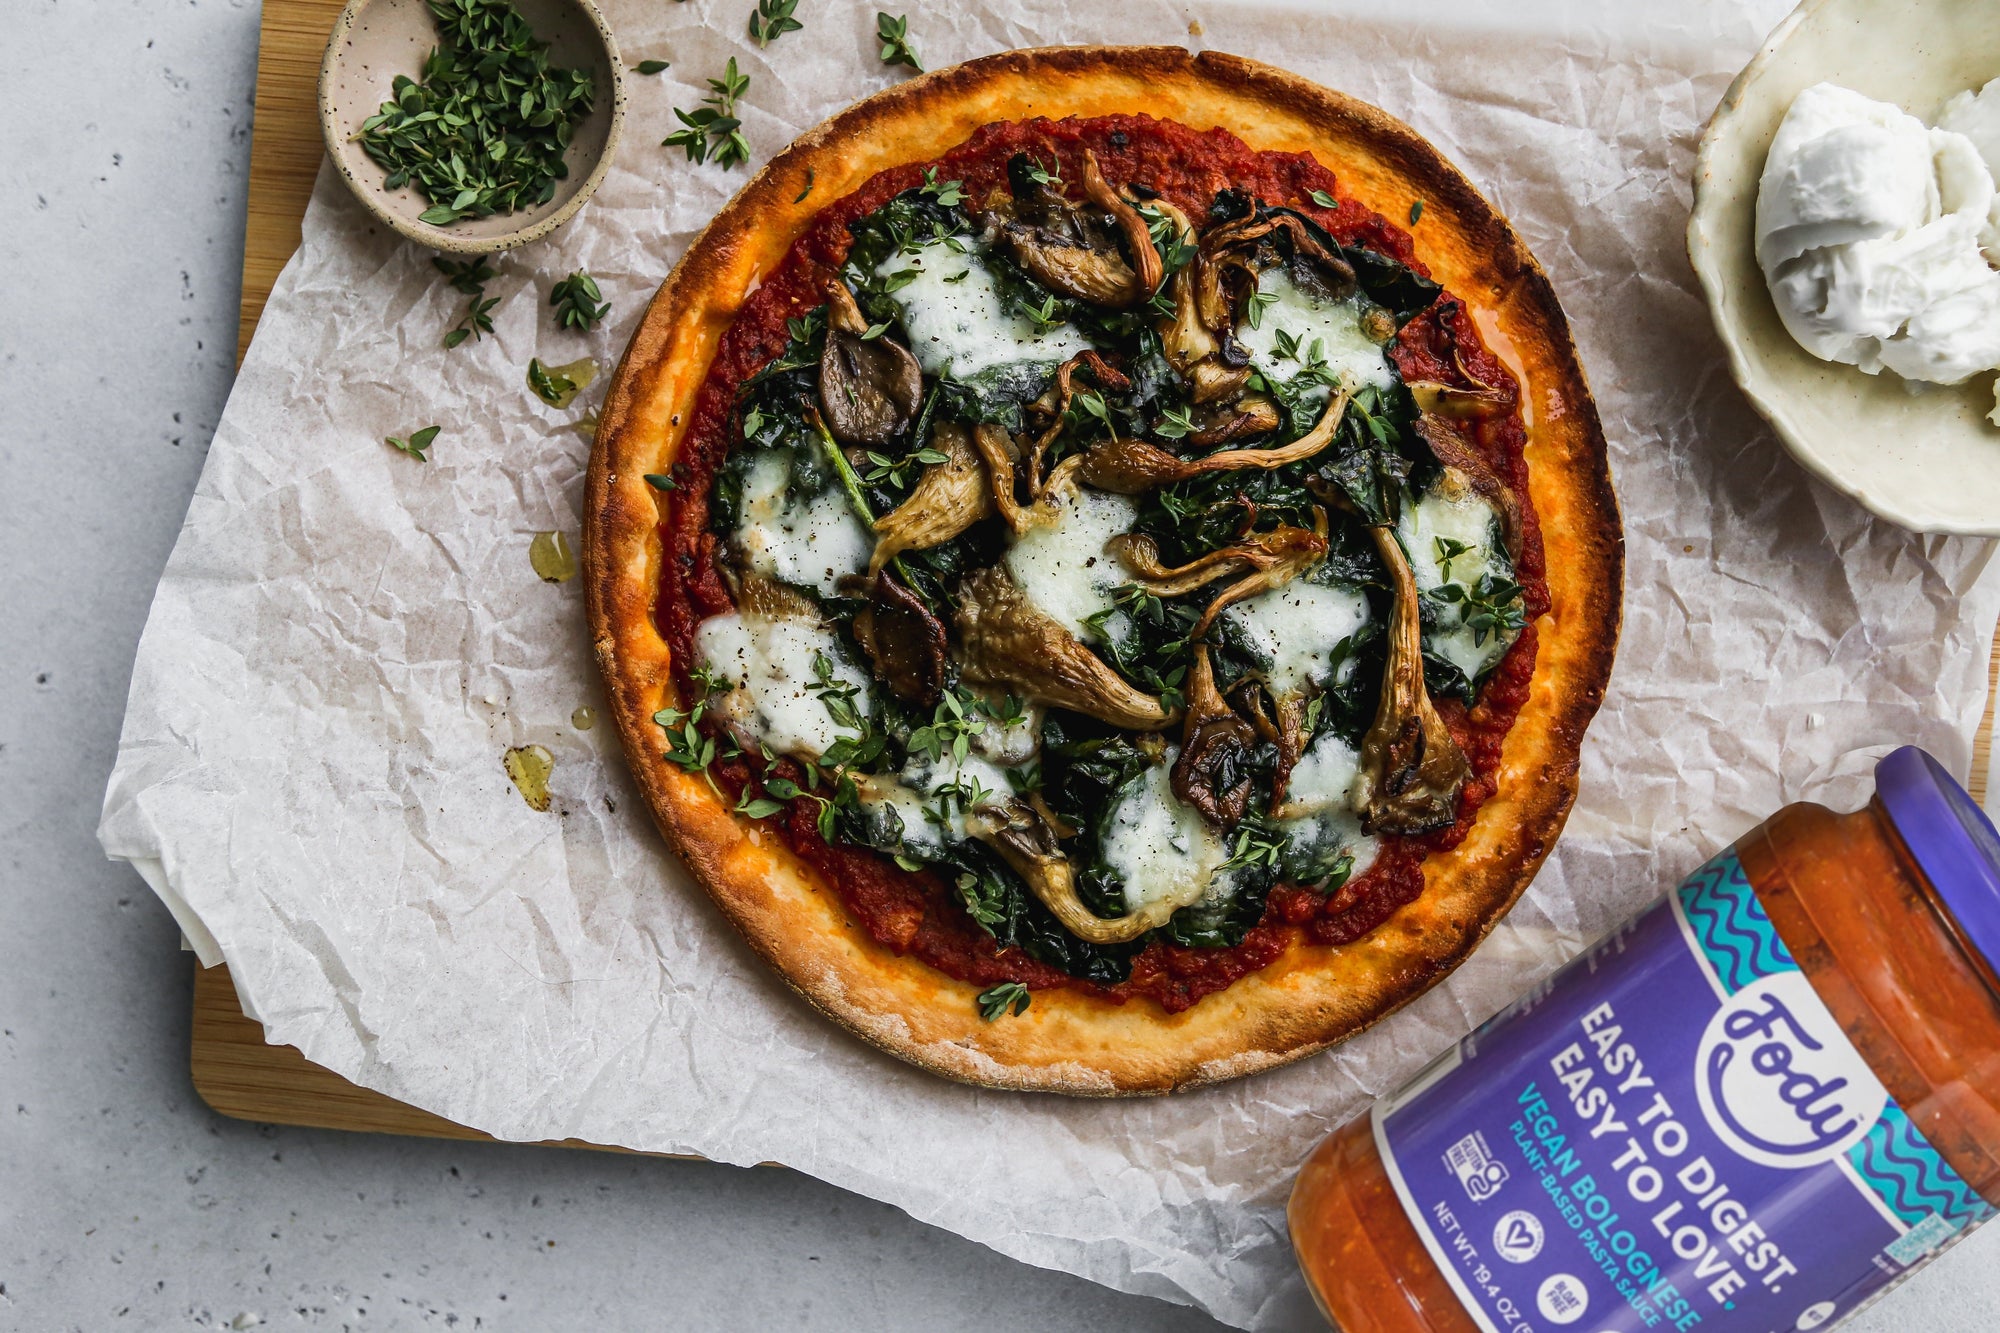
[{"x": 1313, "y": 996}]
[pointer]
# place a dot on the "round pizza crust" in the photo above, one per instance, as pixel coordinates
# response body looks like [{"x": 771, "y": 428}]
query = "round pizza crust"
[{"x": 1313, "y": 995}]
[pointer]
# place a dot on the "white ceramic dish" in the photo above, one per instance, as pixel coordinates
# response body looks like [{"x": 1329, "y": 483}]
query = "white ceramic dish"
[
  {"x": 1928, "y": 460},
  {"x": 375, "y": 40}
]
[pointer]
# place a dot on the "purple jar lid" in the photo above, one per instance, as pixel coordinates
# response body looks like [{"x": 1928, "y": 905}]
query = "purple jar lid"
[{"x": 1953, "y": 841}]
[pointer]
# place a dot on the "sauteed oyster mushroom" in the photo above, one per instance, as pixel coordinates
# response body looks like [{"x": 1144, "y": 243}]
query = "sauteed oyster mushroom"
[
  {"x": 1411, "y": 768},
  {"x": 1110, "y": 554},
  {"x": 1100, "y": 252},
  {"x": 868, "y": 387}
]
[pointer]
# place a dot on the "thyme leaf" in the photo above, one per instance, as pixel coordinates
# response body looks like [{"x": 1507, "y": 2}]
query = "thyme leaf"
[
  {"x": 773, "y": 20},
  {"x": 419, "y": 441},
  {"x": 995, "y": 1002},
  {"x": 577, "y": 301},
  {"x": 894, "y": 34},
  {"x": 712, "y": 131}
]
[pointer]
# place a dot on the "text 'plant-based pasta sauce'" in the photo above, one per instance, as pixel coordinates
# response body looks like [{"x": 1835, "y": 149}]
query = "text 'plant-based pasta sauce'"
[{"x": 1751, "y": 1109}]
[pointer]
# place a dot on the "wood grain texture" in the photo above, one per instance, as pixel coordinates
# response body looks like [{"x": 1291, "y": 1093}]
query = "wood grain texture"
[
  {"x": 285, "y": 146},
  {"x": 235, "y": 1070}
]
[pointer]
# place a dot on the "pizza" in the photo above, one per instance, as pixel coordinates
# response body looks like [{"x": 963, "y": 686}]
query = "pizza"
[{"x": 1102, "y": 560}]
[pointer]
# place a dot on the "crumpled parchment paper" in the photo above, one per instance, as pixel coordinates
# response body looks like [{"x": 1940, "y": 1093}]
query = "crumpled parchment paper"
[{"x": 345, "y": 641}]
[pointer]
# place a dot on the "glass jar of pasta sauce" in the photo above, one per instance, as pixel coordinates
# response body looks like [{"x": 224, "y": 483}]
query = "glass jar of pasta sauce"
[{"x": 1751, "y": 1109}]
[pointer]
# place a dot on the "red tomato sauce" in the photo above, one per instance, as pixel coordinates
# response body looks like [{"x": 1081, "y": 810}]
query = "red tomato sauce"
[{"x": 917, "y": 914}]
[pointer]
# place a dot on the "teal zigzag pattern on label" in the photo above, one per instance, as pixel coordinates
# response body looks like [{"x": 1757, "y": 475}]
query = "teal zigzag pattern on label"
[
  {"x": 1731, "y": 925},
  {"x": 1905, "y": 1172}
]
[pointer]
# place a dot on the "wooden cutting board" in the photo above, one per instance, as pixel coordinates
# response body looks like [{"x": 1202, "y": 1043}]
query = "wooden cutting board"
[{"x": 235, "y": 1070}]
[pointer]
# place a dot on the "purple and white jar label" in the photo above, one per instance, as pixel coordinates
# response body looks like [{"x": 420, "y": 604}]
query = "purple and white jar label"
[{"x": 1672, "y": 1132}]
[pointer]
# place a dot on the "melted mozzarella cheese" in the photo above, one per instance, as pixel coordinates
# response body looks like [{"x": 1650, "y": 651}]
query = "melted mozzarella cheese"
[
  {"x": 1318, "y": 815},
  {"x": 1466, "y": 518},
  {"x": 1013, "y": 745},
  {"x": 1062, "y": 567},
  {"x": 769, "y": 666},
  {"x": 1295, "y": 629},
  {"x": 1335, "y": 326},
  {"x": 1160, "y": 847},
  {"x": 809, "y": 541},
  {"x": 912, "y": 794},
  {"x": 955, "y": 317}
]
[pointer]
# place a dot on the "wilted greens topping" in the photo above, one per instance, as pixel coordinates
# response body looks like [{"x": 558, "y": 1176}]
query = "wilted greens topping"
[{"x": 1126, "y": 565}]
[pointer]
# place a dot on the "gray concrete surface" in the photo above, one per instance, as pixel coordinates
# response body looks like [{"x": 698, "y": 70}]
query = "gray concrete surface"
[{"x": 124, "y": 1202}]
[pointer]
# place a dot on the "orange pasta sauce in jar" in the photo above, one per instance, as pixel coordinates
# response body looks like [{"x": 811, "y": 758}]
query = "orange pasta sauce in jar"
[{"x": 1752, "y": 1108}]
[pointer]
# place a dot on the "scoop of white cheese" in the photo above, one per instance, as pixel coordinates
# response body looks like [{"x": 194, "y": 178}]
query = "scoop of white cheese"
[{"x": 1878, "y": 235}]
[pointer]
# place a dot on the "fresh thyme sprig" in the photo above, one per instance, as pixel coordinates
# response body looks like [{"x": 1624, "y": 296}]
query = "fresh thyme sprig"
[
  {"x": 894, "y": 34},
  {"x": 577, "y": 301},
  {"x": 1175, "y": 423},
  {"x": 948, "y": 193},
  {"x": 469, "y": 276},
  {"x": 1490, "y": 607},
  {"x": 415, "y": 446},
  {"x": 1256, "y": 304},
  {"x": 1044, "y": 316},
  {"x": 995, "y": 1002},
  {"x": 713, "y": 132},
  {"x": 687, "y": 747},
  {"x": 485, "y": 129},
  {"x": 772, "y": 20},
  {"x": 1253, "y": 849},
  {"x": 892, "y": 471},
  {"x": 1448, "y": 550}
]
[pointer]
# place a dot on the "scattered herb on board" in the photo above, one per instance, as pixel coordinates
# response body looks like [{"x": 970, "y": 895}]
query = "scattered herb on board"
[
  {"x": 558, "y": 386},
  {"x": 651, "y": 67},
  {"x": 894, "y": 34},
  {"x": 1416, "y": 212},
  {"x": 1007, "y": 995},
  {"x": 773, "y": 20},
  {"x": 713, "y": 131},
  {"x": 469, "y": 276},
  {"x": 578, "y": 303},
  {"x": 485, "y": 129},
  {"x": 418, "y": 442}
]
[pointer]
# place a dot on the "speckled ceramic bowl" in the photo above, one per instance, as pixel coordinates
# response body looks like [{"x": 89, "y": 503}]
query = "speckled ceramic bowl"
[
  {"x": 375, "y": 40},
  {"x": 1928, "y": 459}
]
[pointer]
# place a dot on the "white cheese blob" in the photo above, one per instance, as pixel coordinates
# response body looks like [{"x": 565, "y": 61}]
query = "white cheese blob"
[
  {"x": 1870, "y": 230},
  {"x": 1976, "y": 115},
  {"x": 1011, "y": 745},
  {"x": 1062, "y": 567},
  {"x": 769, "y": 666},
  {"x": 1333, "y": 327},
  {"x": 1160, "y": 847},
  {"x": 1459, "y": 515},
  {"x": 810, "y": 541},
  {"x": 1295, "y": 629},
  {"x": 1318, "y": 814},
  {"x": 955, "y": 317},
  {"x": 913, "y": 795}
]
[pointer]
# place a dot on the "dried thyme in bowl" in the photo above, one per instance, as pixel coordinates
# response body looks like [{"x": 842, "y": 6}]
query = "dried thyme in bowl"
[{"x": 485, "y": 130}]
